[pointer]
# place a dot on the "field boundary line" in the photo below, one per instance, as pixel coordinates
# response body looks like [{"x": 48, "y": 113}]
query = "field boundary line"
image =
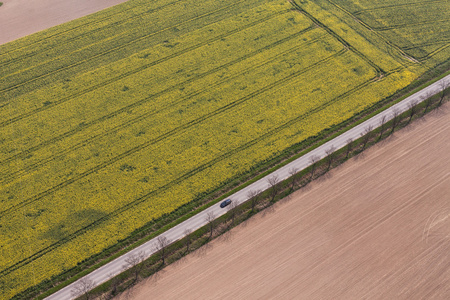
[
  {"x": 431, "y": 54},
  {"x": 111, "y": 50},
  {"x": 158, "y": 94},
  {"x": 377, "y": 31},
  {"x": 403, "y": 54},
  {"x": 445, "y": 42},
  {"x": 340, "y": 39}
]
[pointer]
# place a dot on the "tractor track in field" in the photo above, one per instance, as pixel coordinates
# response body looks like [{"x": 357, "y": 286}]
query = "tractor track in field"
[
  {"x": 397, "y": 5},
  {"x": 386, "y": 28},
  {"x": 123, "y": 45},
  {"x": 132, "y": 72},
  {"x": 341, "y": 40},
  {"x": 29, "y": 151},
  {"x": 43, "y": 49}
]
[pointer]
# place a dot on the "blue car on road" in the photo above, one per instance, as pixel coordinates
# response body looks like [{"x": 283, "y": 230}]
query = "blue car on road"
[{"x": 225, "y": 203}]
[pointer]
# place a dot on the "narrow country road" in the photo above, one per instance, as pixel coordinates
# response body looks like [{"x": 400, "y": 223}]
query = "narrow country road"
[{"x": 116, "y": 266}]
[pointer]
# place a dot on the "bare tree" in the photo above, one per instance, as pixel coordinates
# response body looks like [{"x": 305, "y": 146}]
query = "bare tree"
[
  {"x": 210, "y": 218},
  {"x": 330, "y": 156},
  {"x": 382, "y": 123},
  {"x": 115, "y": 281},
  {"x": 187, "y": 238},
  {"x": 253, "y": 197},
  {"x": 349, "y": 147},
  {"x": 444, "y": 85},
  {"x": 161, "y": 246},
  {"x": 134, "y": 262},
  {"x": 293, "y": 174},
  {"x": 233, "y": 211},
  {"x": 366, "y": 135},
  {"x": 314, "y": 159},
  {"x": 82, "y": 288},
  {"x": 395, "y": 119},
  {"x": 274, "y": 186},
  {"x": 412, "y": 109},
  {"x": 428, "y": 101}
]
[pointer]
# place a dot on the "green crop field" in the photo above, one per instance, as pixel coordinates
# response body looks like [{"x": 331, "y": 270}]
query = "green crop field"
[
  {"x": 419, "y": 28},
  {"x": 115, "y": 119}
]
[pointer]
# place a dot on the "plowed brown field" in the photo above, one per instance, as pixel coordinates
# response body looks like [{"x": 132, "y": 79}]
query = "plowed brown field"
[
  {"x": 378, "y": 227},
  {"x": 19, "y": 18}
]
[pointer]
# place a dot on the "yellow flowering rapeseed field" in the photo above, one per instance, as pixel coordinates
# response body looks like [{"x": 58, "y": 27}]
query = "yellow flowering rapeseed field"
[{"x": 118, "y": 118}]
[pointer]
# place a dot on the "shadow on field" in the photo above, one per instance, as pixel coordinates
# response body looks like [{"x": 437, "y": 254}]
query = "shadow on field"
[
  {"x": 268, "y": 210},
  {"x": 203, "y": 250},
  {"x": 226, "y": 237}
]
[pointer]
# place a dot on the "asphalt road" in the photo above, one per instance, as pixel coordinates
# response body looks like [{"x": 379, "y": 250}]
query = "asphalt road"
[{"x": 118, "y": 265}]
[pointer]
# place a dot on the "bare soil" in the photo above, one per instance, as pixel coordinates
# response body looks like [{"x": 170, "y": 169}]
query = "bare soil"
[
  {"x": 377, "y": 227},
  {"x": 19, "y": 18}
]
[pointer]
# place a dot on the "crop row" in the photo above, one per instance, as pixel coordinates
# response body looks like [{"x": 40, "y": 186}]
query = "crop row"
[
  {"x": 421, "y": 40},
  {"x": 44, "y": 44},
  {"x": 112, "y": 103},
  {"x": 367, "y": 5},
  {"x": 122, "y": 30},
  {"x": 77, "y": 26},
  {"x": 407, "y": 24},
  {"x": 60, "y": 150},
  {"x": 92, "y": 51},
  {"x": 199, "y": 168},
  {"x": 115, "y": 72}
]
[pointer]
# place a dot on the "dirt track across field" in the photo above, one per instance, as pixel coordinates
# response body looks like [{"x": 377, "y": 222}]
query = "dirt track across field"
[
  {"x": 377, "y": 227},
  {"x": 19, "y": 18}
]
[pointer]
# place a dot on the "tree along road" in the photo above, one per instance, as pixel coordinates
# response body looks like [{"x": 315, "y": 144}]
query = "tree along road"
[{"x": 118, "y": 265}]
